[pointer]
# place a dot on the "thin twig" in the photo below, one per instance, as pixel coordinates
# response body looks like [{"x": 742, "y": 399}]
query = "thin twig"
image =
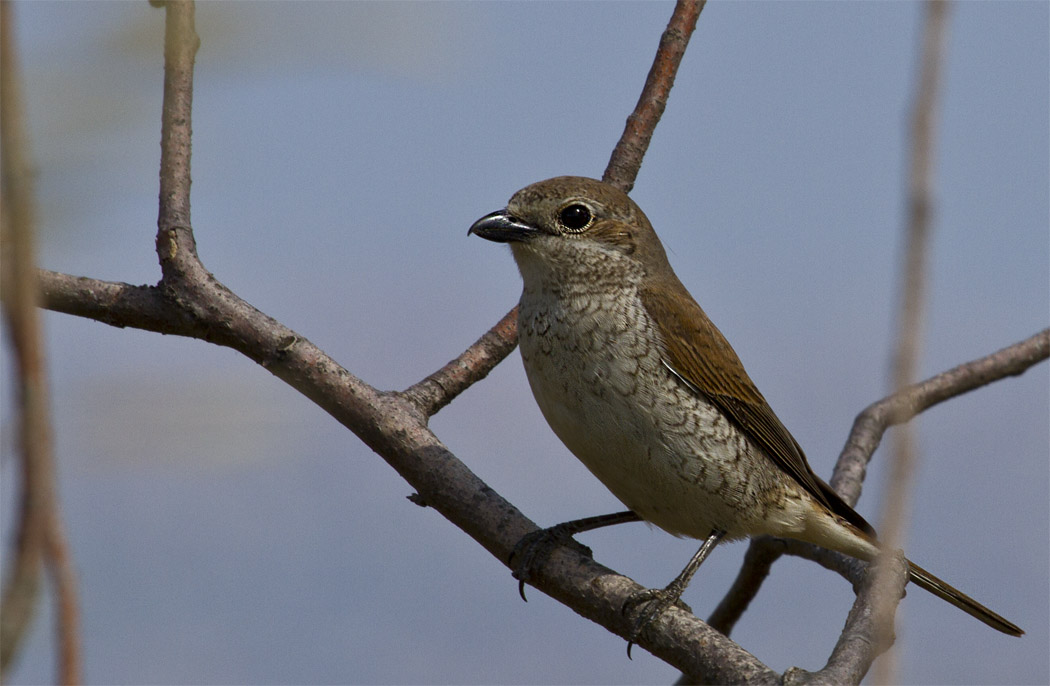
[
  {"x": 180, "y": 50},
  {"x": 193, "y": 303},
  {"x": 627, "y": 156},
  {"x": 868, "y": 630},
  {"x": 896, "y": 505},
  {"x": 40, "y": 535},
  {"x": 441, "y": 387},
  {"x": 22, "y": 576},
  {"x": 758, "y": 560},
  {"x": 190, "y": 301},
  {"x": 864, "y": 439},
  {"x": 913, "y": 289},
  {"x": 67, "y": 605},
  {"x": 471, "y": 366},
  {"x": 874, "y": 420}
]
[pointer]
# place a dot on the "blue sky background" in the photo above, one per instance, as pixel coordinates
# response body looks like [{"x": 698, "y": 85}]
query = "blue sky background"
[{"x": 227, "y": 531}]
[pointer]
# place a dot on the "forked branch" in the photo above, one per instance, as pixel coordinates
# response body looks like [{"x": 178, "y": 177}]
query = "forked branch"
[{"x": 189, "y": 301}]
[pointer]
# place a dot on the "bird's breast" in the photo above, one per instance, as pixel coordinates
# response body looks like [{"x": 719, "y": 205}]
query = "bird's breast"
[{"x": 594, "y": 361}]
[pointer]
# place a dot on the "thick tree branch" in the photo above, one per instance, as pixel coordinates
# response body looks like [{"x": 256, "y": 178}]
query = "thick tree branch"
[
  {"x": 394, "y": 426},
  {"x": 189, "y": 301}
]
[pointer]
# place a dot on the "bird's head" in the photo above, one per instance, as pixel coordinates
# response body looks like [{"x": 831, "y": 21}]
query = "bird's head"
[{"x": 572, "y": 222}]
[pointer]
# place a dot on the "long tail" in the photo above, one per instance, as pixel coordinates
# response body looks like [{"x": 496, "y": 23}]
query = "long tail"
[
  {"x": 861, "y": 542},
  {"x": 944, "y": 591}
]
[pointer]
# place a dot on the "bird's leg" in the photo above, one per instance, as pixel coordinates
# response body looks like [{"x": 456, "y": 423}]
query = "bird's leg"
[
  {"x": 537, "y": 545},
  {"x": 659, "y": 599}
]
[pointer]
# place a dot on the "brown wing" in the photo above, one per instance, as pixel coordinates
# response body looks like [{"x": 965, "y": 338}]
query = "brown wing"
[{"x": 701, "y": 357}]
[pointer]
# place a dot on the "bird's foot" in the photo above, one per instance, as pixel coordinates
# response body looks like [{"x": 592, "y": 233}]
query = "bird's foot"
[
  {"x": 655, "y": 602},
  {"x": 535, "y": 547}
]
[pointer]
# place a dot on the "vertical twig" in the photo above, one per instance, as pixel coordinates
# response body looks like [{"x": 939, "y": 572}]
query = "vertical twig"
[
  {"x": 175, "y": 243},
  {"x": 64, "y": 580},
  {"x": 913, "y": 287},
  {"x": 40, "y": 534}
]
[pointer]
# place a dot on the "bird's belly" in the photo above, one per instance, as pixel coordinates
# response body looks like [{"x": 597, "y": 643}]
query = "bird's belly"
[{"x": 666, "y": 453}]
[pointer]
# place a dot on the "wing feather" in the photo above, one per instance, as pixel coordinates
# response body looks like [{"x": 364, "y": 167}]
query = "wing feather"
[{"x": 700, "y": 356}]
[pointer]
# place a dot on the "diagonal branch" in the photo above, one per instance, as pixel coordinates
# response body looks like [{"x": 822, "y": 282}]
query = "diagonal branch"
[
  {"x": 874, "y": 420},
  {"x": 627, "y": 156},
  {"x": 864, "y": 439},
  {"x": 864, "y": 637},
  {"x": 189, "y": 301},
  {"x": 885, "y": 587},
  {"x": 474, "y": 364},
  {"x": 758, "y": 561}
]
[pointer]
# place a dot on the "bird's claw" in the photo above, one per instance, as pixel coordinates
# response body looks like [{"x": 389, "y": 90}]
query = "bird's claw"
[
  {"x": 655, "y": 601},
  {"x": 536, "y": 546}
]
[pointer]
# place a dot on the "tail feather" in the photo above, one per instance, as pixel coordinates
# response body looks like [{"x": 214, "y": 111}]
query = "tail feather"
[{"x": 923, "y": 579}]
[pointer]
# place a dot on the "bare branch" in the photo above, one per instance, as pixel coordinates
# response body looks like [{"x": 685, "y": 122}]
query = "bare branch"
[
  {"x": 896, "y": 505},
  {"x": 40, "y": 534},
  {"x": 472, "y": 365},
  {"x": 850, "y": 469},
  {"x": 189, "y": 301},
  {"x": 871, "y": 424},
  {"x": 863, "y": 638},
  {"x": 758, "y": 561},
  {"x": 855, "y": 651},
  {"x": 627, "y": 156},
  {"x": 116, "y": 304},
  {"x": 180, "y": 49},
  {"x": 394, "y": 426}
]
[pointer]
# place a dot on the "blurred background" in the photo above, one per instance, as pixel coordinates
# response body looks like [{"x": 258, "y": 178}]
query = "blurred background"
[{"x": 228, "y": 531}]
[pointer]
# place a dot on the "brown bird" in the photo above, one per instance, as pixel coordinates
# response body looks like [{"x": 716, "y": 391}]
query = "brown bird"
[{"x": 639, "y": 384}]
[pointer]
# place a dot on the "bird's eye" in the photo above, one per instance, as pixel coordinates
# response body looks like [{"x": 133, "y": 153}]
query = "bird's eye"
[{"x": 575, "y": 217}]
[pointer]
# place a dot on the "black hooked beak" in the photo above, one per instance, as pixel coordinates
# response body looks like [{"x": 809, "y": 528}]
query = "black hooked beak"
[{"x": 502, "y": 228}]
